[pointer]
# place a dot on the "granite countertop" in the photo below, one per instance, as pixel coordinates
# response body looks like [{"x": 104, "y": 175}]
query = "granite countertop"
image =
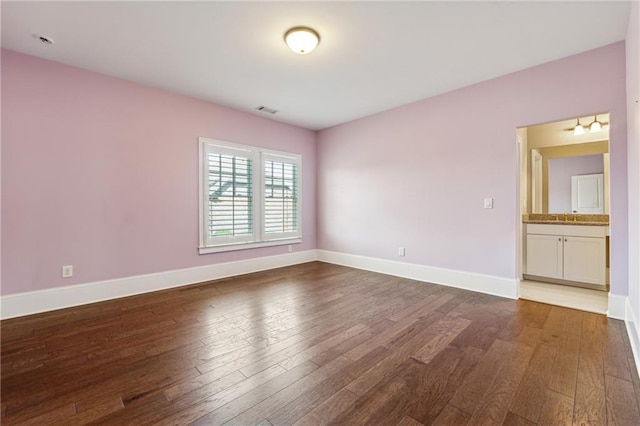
[
  {"x": 569, "y": 222},
  {"x": 572, "y": 219}
]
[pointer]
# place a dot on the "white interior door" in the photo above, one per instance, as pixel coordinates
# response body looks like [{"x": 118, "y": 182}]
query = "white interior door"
[{"x": 587, "y": 194}]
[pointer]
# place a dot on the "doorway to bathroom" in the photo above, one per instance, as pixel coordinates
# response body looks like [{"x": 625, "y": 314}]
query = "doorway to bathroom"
[{"x": 563, "y": 223}]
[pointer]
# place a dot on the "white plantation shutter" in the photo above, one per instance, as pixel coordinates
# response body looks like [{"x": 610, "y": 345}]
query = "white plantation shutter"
[
  {"x": 281, "y": 202},
  {"x": 229, "y": 214},
  {"x": 249, "y": 197}
]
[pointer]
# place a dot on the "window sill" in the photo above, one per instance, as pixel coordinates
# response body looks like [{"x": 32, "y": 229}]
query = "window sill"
[{"x": 249, "y": 245}]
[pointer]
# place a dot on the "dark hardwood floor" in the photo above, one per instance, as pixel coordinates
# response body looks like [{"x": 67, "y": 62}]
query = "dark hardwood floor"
[{"x": 317, "y": 344}]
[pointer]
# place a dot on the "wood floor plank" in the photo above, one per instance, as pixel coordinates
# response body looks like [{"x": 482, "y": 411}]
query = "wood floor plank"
[
  {"x": 311, "y": 396},
  {"x": 476, "y": 384},
  {"x": 380, "y": 339},
  {"x": 261, "y": 407},
  {"x": 590, "y": 396},
  {"x": 635, "y": 380},
  {"x": 366, "y": 408},
  {"x": 444, "y": 336},
  {"x": 615, "y": 353},
  {"x": 375, "y": 374},
  {"x": 418, "y": 390},
  {"x": 196, "y": 402},
  {"x": 317, "y": 344},
  {"x": 324, "y": 413},
  {"x": 515, "y": 420},
  {"x": 557, "y": 409},
  {"x": 532, "y": 390},
  {"x": 213, "y": 382},
  {"x": 451, "y": 415},
  {"x": 564, "y": 370},
  {"x": 340, "y": 349},
  {"x": 622, "y": 403},
  {"x": 251, "y": 400},
  {"x": 314, "y": 351},
  {"x": 95, "y": 408},
  {"x": 57, "y": 416},
  {"x": 496, "y": 401},
  {"x": 409, "y": 421}
]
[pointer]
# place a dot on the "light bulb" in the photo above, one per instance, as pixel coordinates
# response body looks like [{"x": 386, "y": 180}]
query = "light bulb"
[{"x": 595, "y": 126}]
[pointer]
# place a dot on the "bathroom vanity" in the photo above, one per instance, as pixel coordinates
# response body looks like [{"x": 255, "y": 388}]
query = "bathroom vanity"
[{"x": 567, "y": 249}]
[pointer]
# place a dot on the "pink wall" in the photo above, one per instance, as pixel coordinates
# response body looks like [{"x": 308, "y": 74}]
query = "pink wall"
[
  {"x": 633, "y": 110},
  {"x": 103, "y": 174},
  {"x": 560, "y": 171},
  {"x": 415, "y": 176}
]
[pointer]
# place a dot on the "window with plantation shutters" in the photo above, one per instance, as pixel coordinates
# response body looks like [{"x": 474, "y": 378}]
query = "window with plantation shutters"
[
  {"x": 281, "y": 197},
  {"x": 249, "y": 197},
  {"x": 230, "y": 200}
]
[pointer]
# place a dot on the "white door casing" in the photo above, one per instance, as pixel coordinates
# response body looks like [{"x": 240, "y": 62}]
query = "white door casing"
[{"x": 536, "y": 181}]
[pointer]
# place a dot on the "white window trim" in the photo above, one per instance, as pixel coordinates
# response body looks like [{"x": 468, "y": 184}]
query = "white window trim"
[{"x": 259, "y": 237}]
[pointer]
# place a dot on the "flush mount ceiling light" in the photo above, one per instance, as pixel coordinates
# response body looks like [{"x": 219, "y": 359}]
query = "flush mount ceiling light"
[
  {"x": 302, "y": 40},
  {"x": 595, "y": 125},
  {"x": 579, "y": 129}
]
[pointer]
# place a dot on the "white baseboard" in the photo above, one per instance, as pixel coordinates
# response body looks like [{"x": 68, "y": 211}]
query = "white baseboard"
[
  {"x": 33, "y": 302},
  {"x": 17, "y": 305},
  {"x": 498, "y": 286},
  {"x": 631, "y": 321},
  {"x": 617, "y": 306}
]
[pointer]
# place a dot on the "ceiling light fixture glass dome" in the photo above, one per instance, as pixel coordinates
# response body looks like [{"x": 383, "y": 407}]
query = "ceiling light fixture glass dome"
[
  {"x": 578, "y": 130},
  {"x": 595, "y": 126},
  {"x": 302, "y": 40}
]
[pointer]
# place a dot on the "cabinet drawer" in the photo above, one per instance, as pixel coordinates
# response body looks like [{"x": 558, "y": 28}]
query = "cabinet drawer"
[{"x": 568, "y": 230}]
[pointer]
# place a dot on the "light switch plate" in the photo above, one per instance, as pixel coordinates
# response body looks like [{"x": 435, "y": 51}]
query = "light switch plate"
[
  {"x": 488, "y": 203},
  {"x": 67, "y": 271}
]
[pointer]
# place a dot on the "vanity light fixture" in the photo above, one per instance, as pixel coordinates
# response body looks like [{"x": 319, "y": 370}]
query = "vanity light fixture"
[
  {"x": 302, "y": 40},
  {"x": 595, "y": 125},
  {"x": 579, "y": 129}
]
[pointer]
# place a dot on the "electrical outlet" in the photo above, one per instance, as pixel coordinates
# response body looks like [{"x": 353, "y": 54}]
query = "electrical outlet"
[
  {"x": 401, "y": 251},
  {"x": 67, "y": 271},
  {"x": 290, "y": 249}
]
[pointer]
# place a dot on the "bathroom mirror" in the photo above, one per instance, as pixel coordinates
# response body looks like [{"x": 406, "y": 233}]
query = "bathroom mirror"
[
  {"x": 576, "y": 184},
  {"x": 552, "y": 153}
]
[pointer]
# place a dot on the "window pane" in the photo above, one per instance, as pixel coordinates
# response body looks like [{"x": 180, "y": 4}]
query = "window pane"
[
  {"x": 280, "y": 197},
  {"x": 230, "y": 196}
]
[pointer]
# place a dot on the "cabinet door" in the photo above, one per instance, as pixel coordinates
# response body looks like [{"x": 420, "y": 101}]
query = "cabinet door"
[
  {"x": 585, "y": 260},
  {"x": 544, "y": 255}
]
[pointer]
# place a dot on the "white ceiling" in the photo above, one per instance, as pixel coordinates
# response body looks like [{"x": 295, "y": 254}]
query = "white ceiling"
[{"x": 373, "y": 56}]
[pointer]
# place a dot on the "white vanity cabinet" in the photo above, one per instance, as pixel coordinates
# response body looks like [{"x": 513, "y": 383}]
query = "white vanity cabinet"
[{"x": 567, "y": 252}]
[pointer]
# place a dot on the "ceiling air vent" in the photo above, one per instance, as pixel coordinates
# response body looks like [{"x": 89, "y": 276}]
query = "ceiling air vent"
[
  {"x": 266, "y": 109},
  {"x": 43, "y": 39}
]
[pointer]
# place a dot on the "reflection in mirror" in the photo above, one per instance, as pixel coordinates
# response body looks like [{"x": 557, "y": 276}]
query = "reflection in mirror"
[
  {"x": 552, "y": 153},
  {"x": 562, "y": 171}
]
